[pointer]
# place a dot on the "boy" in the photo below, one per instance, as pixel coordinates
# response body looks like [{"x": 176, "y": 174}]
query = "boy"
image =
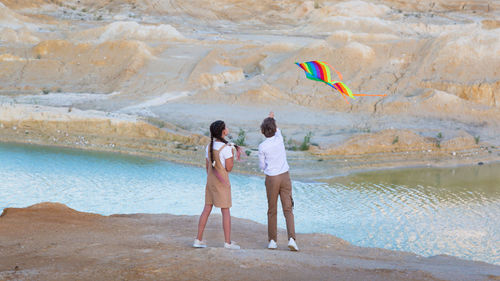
[{"x": 272, "y": 161}]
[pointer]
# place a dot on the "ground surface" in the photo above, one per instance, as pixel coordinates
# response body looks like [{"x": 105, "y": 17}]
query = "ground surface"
[{"x": 50, "y": 241}]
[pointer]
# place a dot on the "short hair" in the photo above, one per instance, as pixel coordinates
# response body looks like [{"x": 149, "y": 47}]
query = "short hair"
[{"x": 268, "y": 127}]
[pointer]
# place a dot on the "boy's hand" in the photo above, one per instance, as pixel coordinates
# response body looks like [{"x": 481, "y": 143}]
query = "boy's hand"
[{"x": 271, "y": 114}]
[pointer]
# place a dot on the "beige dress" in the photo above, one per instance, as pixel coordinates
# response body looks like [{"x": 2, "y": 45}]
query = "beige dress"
[{"x": 218, "y": 189}]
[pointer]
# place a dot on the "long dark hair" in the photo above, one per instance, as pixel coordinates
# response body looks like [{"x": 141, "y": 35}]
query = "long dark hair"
[{"x": 216, "y": 129}]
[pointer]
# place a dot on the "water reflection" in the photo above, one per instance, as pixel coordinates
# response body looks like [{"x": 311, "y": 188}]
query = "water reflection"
[{"x": 468, "y": 183}]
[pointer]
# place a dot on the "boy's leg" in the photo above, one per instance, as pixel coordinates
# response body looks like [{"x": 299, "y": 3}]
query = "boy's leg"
[
  {"x": 272, "y": 190},
  {"x": 287, "y": 203}
]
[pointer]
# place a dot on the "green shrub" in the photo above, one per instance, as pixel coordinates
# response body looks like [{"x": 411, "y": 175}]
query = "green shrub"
[
  {"x": 307, "y": 142},
  {"x": 241, "y": 138}
]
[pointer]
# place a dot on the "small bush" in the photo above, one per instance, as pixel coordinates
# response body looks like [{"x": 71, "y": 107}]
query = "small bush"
[
  {"x": 45, "y": 91},
  {"x": 440, "y": 135},
  {"x": 395, "y": 140},
  {"x": 307, "y": 142},
  {"x": 38, "y": 56},
  {"x": 248, "y": 152},
  {"x": 241, "y": 138},
  {"x": 477, "y": 138}
]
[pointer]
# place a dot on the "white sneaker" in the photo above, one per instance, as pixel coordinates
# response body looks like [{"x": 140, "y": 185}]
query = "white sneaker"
[
  {"x": 292, "y": 245},
  {"x": 232, "y": 246},
  {"x": 272, "y": 245},
  {"x": 199, "y": 244}
]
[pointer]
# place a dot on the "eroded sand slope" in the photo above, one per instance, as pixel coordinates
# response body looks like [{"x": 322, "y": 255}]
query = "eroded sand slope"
[{"x": 186, "y": 63}]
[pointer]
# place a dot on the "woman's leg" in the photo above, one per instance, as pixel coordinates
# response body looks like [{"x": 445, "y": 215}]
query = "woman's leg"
[
  {"x": 203, "y": 220},
  {"x": 226, "y": 224}
]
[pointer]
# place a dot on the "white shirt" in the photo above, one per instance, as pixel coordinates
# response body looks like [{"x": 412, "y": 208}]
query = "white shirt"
[
  {"x": 225, "y": 153},
  {"x": 272, "y": 155}
]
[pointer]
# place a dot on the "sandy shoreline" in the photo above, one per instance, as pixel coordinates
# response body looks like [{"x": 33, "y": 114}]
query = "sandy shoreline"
[
  {"x": 304, "y": 166},
  {"x": 50, "y": 241},
  {"x": 129, "y": 134}
]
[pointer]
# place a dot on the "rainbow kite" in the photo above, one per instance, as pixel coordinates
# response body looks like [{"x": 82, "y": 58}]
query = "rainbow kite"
[{"x": 320, "y": 71}]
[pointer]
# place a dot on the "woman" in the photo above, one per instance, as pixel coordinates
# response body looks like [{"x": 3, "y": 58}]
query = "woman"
[{"x": 219, "y": 163}]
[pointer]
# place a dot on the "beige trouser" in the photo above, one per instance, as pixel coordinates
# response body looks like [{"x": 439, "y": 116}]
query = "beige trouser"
[{"x": 282, "y": 186}]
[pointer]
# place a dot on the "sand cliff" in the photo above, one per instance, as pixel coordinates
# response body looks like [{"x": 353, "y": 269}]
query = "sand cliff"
[{"x": 184, "y": 64}]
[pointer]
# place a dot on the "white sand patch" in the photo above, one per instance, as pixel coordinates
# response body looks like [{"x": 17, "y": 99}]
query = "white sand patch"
[
  {"x": 8, "y": 18},
  {"x": 39, "y": 112},
  {"x": 161, "y": 100},
  {"x": 128, "y": 30},
  {"x": 356, "y": 9},
  {"x": 220, "y": 76},
  {"x": 12, "y": 20},
  {"x": 437, "y": 29},
  {"x": 9, "y": 57},
  {"x": 444, "y": 98},
  {"x": 17, "y": 36},
  {"x": 356, "y": 24},
  {"x": 347, "y": 36},
  {"x": 361, "y": 50},
  {"x": 473, "y": 44},
  {"x": 59, "y": 99}
]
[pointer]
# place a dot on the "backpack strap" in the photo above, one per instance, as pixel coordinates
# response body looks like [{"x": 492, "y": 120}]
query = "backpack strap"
[{"x": 221, "y": 148}]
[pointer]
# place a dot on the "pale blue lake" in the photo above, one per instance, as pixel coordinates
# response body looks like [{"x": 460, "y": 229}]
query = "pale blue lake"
[{"x": 429, "y": 211}]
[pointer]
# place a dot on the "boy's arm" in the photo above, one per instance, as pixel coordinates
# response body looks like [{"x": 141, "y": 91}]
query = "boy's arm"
[
  {"x": 278, "y": 131},
  {"x": 262, "y": 160}
]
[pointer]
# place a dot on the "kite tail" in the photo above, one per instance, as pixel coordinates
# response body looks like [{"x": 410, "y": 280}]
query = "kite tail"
[
  {"x": 345, "y": 97},
  {"x": 369, "y": 95},
  {"x": 342, "y": 88}
]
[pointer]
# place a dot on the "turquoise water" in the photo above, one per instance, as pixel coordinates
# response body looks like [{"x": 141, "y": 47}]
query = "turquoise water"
[{"x": 426, "y": 211}]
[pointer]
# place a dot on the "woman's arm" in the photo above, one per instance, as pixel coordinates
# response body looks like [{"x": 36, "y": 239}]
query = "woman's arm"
[
  {"x": 207, "y": 163},
  {"x": 229, "y": 164}
]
